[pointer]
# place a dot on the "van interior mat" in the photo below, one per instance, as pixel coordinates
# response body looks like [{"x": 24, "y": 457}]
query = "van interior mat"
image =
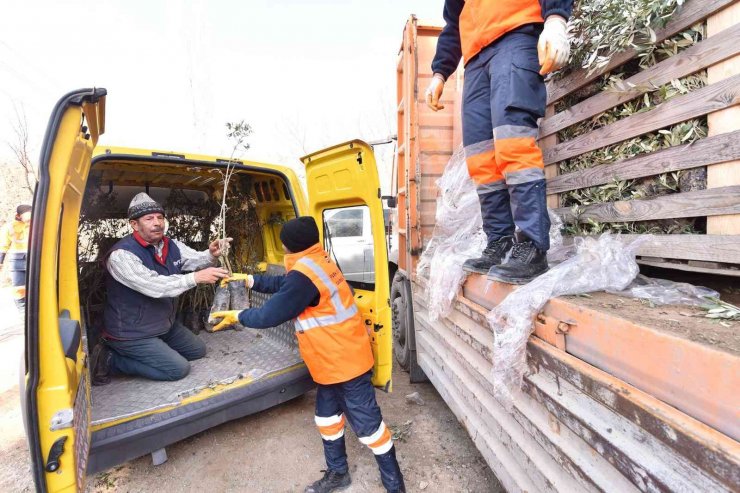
[{"x": 231, "y": 356}]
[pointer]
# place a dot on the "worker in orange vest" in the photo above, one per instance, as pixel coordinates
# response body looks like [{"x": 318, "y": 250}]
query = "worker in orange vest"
[
  {"x": 507, "y": 46},
  {"x": 335, "y": 346},
  {"x": 14, "y": 248}
]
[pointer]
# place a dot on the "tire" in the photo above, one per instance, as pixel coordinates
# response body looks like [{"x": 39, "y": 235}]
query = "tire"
[{"x": 403, "y": 320}]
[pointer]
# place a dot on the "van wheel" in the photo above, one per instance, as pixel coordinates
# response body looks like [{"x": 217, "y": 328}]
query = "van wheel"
[{"x": 403, "y": 320}]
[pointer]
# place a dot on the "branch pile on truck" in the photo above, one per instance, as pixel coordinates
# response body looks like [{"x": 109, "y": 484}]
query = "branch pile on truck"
[{"x": 618, "y": 394}]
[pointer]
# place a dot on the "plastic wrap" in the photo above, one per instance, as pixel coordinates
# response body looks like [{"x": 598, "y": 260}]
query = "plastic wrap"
[
  {"x": 664, "y": 292},
  {"x": 457, "y": 236},
  {"x": 597, "y": 264}
]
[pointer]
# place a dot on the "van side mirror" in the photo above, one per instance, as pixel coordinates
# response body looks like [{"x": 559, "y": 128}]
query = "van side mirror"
[{"x": 390, "y": 200}]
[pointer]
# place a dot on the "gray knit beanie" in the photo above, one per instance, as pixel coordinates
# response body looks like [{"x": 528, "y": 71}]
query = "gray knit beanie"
[{"x": 143, "y": 204}]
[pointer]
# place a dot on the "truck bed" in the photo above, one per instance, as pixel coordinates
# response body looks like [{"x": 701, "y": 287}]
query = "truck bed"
[
  {"x": 231, "y": 356},
  {"x": 612, "y": 401}
]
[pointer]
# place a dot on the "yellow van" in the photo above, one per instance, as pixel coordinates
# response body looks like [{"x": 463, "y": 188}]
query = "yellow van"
[{"x": 75, "y": 429}]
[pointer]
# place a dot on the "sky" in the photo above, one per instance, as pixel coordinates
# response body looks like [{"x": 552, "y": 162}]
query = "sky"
[{"x": 304, "y": 74}]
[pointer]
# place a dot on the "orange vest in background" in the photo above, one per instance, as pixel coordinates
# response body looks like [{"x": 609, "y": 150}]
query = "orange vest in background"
[
  {"x": 14, "y": 237},
  {"x": 332, "y": 338},
  {"x": 484, "y": 21}
]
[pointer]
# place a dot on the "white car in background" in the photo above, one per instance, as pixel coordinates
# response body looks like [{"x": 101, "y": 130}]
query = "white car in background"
[{"x": 352, "y": 242}]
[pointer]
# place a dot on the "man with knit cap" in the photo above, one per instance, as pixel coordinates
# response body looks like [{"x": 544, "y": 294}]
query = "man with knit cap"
[
  {"x": 145, "y": 273},
  {"x": 335, "y": 346}
]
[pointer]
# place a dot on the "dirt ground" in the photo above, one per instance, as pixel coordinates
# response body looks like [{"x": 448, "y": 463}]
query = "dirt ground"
[{"x": 278, "y": 450}]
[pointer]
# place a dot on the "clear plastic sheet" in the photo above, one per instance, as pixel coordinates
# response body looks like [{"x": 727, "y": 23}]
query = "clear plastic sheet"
[
  {"x": 664, "y": 292},
  {"x": 457, "y": 236},
  {"x": 597, "y": 264}
]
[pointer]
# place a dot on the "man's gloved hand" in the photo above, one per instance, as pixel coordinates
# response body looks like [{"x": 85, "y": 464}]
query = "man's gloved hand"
[
  {"x": 434, "y": 92},
  {"x": 228, "y": 318},
  {"x": 553, "y": 49},
  {"x": 239, "y": 277}
]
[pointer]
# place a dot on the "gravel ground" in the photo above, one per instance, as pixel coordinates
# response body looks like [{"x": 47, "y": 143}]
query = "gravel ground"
[{"x": 278, "y": 450}]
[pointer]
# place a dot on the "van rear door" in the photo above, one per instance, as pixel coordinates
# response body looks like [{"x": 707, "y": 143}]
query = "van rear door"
[
  {"x": 57, "y": 385},
  {"x": 343, "y": 177}
]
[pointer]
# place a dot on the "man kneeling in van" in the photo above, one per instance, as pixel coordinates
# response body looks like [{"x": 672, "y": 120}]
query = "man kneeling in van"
[{"x": 144, "y": 276}]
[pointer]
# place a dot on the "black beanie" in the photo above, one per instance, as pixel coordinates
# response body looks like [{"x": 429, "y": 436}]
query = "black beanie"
[
  {"x": 299, "y": 234},
  {"x": 22, "y": 209}
]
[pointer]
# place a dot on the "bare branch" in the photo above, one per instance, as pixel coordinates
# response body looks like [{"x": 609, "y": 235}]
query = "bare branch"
[{"x": 20, "y": 148}]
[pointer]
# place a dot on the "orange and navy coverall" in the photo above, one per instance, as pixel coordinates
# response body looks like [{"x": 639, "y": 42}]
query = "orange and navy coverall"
[
  {"x": 335, "y": 346},
  {"x": 503, "y": 96},
  {"x": 13, "y": 251}
]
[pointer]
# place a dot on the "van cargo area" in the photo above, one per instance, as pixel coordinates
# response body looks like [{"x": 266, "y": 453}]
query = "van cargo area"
[{"x": 244, "y": 370}]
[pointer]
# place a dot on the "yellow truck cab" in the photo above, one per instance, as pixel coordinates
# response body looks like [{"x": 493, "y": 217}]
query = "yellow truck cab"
[{"x": 75, "y": 429}]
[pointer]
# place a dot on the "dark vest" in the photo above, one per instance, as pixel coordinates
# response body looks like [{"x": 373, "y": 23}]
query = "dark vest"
[{"x": 131, "y": 315}]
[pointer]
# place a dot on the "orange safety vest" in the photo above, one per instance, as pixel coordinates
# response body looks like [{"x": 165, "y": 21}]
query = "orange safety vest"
[
  {"x": 484, "y": 21},
  {"x": 332, "y": 338},
  {"x": 14, "y": 237}
]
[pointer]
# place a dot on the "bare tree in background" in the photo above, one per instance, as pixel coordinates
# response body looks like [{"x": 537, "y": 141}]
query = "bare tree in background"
[{"x": 20, "y": 148}]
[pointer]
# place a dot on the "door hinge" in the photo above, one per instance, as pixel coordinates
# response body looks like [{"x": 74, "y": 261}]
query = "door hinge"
[{"x": 62, "y": 419}]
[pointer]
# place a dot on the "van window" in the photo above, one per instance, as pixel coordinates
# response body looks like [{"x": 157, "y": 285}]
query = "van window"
[{"x": 349, "y": 240}]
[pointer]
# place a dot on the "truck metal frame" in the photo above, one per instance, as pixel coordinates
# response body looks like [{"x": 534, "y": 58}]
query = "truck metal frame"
[{"x": 609, "y": 403}]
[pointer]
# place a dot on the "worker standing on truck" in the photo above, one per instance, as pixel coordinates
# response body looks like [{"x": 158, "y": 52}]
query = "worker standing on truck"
[
  {"x": 335, "y": 346},
  {"x": 14, "y": 248},
  {"x": 145, "y": 273},
  {"x": 507, "y": 46}
]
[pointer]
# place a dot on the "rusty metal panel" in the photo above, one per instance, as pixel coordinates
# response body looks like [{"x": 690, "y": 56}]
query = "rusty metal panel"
[
  {"x": 701, "y": 381},
  {"x": 576, "y": 428}
]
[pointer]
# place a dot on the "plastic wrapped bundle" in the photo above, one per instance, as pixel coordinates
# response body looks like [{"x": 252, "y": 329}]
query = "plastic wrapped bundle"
[
  {"x": 457, "y": 236},
  {"x": 599, "y": 264},
  {"x": 221, "y": 301},
  {"x": 664, "y": 292}
]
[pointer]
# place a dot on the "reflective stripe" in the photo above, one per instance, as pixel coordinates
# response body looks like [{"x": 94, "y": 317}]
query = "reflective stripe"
[
  {"x": 491, "y": 187},
  {"x": 379, "y": 442},
  {"x": 328, "y": 421},
  {"x": 331, "y": 438},
  {"x": 383, "y": 448},
  {"x": 478, "y": 148},
  {"x": 512, "y": 131},
  {"x": 524, "y": 176},
  {"x": 375, "y": 436},
  {"x": 342, "y": 314},
  {"x": 332, "y": 427}
]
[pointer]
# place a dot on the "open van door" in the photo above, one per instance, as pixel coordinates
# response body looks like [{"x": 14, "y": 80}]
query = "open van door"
[
  {"x": 57, "y": 385},
  {"x": 343, "y": 177}
]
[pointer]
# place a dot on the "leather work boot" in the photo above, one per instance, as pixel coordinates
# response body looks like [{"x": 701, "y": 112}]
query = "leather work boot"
[
  {"x": 494, "y": 254},
  {"x": 525, "y": 263},
  {"x": 332, "y": 481},
  {"x": 100, "y": 364}
]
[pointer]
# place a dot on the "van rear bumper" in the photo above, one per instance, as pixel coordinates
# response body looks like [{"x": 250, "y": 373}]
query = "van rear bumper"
[{"x": 121, "y": 443}]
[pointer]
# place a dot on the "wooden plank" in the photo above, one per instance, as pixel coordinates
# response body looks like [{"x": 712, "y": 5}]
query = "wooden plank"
[
  {"x": 726, "y": 120},
  {"x": 711, "y": 202},
  {"x": 712, "y": 248},
  {"x": 711, "y": 150},
  {"x": 551, "y": 171},
  {"x": 714, "y": 97},
  {"x": 700, "y": 56},
  {"x": 721, "y": 271},
  {"x": 692, "y": 12}
]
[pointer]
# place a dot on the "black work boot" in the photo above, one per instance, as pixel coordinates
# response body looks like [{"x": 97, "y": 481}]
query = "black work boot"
[
  {"x": 494, "y": 254},
  {"x": 332, "y": 481},
  {"x": 525, "y": 263},
  {"x": 100, "y": 364}
]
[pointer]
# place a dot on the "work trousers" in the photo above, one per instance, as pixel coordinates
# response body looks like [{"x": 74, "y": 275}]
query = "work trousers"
[
  {"x": 16, "y": 265},
  {"x": 157, "y": 358},
  {"x": 354, "y": 401},
  {"x": 503, "y": 97}
]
